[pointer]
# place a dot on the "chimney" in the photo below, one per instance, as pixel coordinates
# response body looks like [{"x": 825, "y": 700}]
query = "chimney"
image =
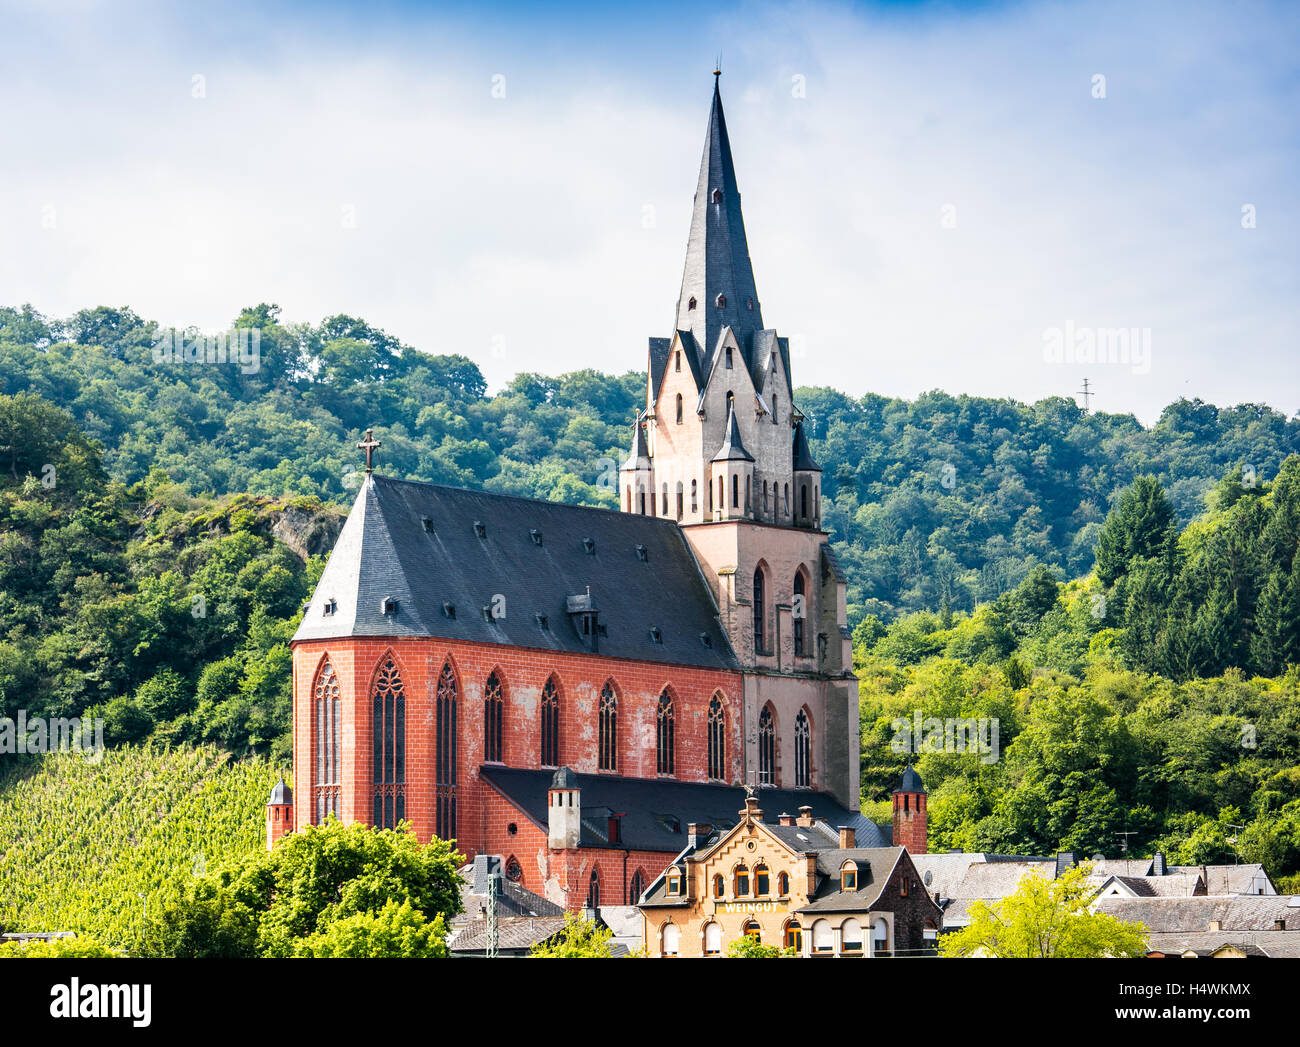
[
  {"x": 805, "y": 816},
  {"x": 1158, "y": 867},
  {"x": 751, "y": 812},
  {"x": 697, "y": 833},
  {"x": 785, "y": 819},
  {"x": 810, "y": 867},
  {"x": 847, "y": 838}
]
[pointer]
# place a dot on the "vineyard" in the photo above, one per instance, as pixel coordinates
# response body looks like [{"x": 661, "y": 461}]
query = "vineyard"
[{"x": 84, "y": 846}]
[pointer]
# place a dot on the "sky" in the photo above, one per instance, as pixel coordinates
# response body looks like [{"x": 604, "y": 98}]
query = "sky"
[{"x": 999, "y": 199}]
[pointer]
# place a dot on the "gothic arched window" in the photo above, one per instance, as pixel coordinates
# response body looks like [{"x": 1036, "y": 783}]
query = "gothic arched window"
[
  {"x": 326, "y": 712},
  {"x": 766, "y": 747},
  {"x": 802, "y": 750},
  {"x": 679, "y": 408},
  {"x": 717, "y": 739},
  {"x": 608, "y": 729},
  {"x": 445, "y": 727},
  {"x": 637, "y": 889},
  {"x": 760, "y": 612},
  {"x": 593, "y": 890},
  {"x": 388, "y": 746},
  {"x": 681, "y": 500},
  {"x": 664, "y": 510},
  {"x": 735, "y": 490},
  {"x": 666, "y": 735},
  {"x": 799, "y": 613},
  {"x": 550, "y": 725},
  {"x": 695, "y": 501},
  {"x": 493, "y": 717}
]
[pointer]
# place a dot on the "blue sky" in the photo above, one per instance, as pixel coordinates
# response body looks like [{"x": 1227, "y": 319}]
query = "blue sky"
[{"x": 933, "y": 192}]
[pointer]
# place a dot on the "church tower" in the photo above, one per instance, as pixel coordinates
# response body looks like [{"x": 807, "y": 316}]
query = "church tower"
[{"x": 722, "y": 449}]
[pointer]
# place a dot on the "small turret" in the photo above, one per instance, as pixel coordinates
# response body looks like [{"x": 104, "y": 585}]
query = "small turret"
[
  {"x": 279, "y": 813},
  {"x": 909, "y": 813},
  {"x": 564, "y": 811},
  {"x": 732, "y": 475},
  {"x": 636, "y": 477},
  {"x": 807, "y": 482}
]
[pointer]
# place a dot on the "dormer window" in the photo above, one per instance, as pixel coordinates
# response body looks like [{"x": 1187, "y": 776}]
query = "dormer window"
[
  {"x": 849, "y": 876},
  {"x": 589, "y": 544},
  {"x": 536, "y": 536},
  {"x": 674, "y": 883},
  {"x": 691, "y": 304},
  {"x": 330, "y": 607},
  {"x": 749, "y": 304},
  {"x": 656, "y": 634},
  {"x": 480, "y": 529},
  {"x": 721, "y": 301},
  {"x": 717, "y": 196}
]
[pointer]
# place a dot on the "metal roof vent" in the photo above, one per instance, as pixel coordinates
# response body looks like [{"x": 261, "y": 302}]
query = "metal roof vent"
[
  {"x": 590, "y": 545},
  {"x": 449, "y": 610},
  {"x": 642, "y": 553},
  {"x": 536, "y": 536},
  {"x": 387, "y": 605},
  {"x": 427, "y": 524},
  {"x": 480, "y": 529},
  {"x": 656, "y": 634}
]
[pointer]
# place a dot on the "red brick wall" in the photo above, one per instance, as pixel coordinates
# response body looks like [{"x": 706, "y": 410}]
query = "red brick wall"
[
  {"x": 523, "y": 673},
  {"x": 909, "y": 825}
]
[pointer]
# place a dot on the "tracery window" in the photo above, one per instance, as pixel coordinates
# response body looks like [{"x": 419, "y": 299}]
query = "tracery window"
[{"x": 388, "y": 746}]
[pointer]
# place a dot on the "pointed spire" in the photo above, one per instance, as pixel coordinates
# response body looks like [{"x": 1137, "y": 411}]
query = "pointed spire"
[
  {"x": 640, "y": 452},
  {"x": 718, "y": 277},
  {"x": 803, "y": 459},
  {"x": 732, "y": 450}
]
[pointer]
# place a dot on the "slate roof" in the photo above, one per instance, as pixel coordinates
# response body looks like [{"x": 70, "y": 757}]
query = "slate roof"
[
  {"x": 874, "y": 866},
  {"x": 1194, "y": 915},
  {"x": 1225, "y": 879},
  {"x": 657, "y": 811},
  {"x": 639, "y": 450},
  {"x": 732, "y": 449},
  {"x": 419, "y": 544},
  {"x": 1276, "y": 944},
  {"x": 1175, "y": 885},
  {"x": 911, "y": 781},
  {"x": 514, "y": 934},
  {"x": 280, "y": 794},
  {"x": 512, "y": 900},
  {"x": 717, "y": 251}
]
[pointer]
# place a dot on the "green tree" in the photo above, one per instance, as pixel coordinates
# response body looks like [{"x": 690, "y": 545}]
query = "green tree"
[
  {"x": 581, "y": 938},
  {"x": 1045, "y": 918},
  {"x": 748, "y": 947},
  {"x": 1141, "y": 526},
  {"x": 395, "y": 931}
]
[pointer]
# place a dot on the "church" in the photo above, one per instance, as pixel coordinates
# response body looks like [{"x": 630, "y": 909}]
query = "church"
[{"x": 569, "y": 687}]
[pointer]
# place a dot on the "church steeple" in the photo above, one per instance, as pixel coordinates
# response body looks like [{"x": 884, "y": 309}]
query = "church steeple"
[{"x": 718, "y": 280}]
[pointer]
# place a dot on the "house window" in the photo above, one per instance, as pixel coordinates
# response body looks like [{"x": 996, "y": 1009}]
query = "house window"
[
  {"x": 665, "y": 735},
  {"x": 880, "y": 932},
  {"x": 550, "y": 725},
  {"x": 823, "y": 938},
  {"x": 593, "y": 890},
  {"x": 849, "y": 876},
  {"x": 388, "y": 730},
  {"x": 679, "y": 408},
  {"x": 717, "y": 739},
  {"x": 752, "y": 930},
  {"x": 670, "y": 938},
  {"x": 851, "y": 937},
  {"x": 762, "y": 881},
  {"x": 608, "y": 729},
  {"x": 800, "y": 613},
  {"x": 760, "y": 611},
  {"x": 783, "y": 884},
  {"x": 719, "y": 885},
  {"x": 445, "y": 755},
  {"x": 766, "y": 747},
  {"x": 741, "y": 882},
  {"x": 712, "y": 939},
  {"x": 493, "y": 715},
  {"x": 327, "y": 710},
  {"x": 637, "y": 889},
  {"x": 902, "y": 887},
  {"x": 793, "y": 938},
  {"x": 802, "y": 751},
  {"x": 674, "y": 882},
  {"x": 729, "y": 361}
]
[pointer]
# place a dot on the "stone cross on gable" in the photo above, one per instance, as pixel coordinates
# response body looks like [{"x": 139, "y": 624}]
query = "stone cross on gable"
[{"x": 369, "y": 445}]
